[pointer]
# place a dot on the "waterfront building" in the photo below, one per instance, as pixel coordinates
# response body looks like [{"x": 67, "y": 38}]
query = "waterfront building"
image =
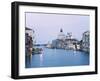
[
  {"x": 31, "y": 33},
  {"x": 57, "y": 43},
  {"x": 65, "y": 42},
  {"x": 72, "y": 44},
  {"x": 60, "y": 44},
  {"x": 29, "y": 40},
  {"x": 78, "y": 46},
  {"x": 54, "y": 43},
  {"x": 85, "y": 45}
]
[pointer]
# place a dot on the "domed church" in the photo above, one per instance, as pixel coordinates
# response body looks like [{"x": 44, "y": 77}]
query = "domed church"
[{"x": 61, "y": 35}]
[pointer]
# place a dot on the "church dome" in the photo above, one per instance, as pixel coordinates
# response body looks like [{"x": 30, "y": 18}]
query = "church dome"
[{"x": 61, "y": 35}]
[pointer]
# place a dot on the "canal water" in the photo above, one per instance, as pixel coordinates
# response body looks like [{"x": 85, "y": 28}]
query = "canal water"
[{"x": 57, "y": 58}]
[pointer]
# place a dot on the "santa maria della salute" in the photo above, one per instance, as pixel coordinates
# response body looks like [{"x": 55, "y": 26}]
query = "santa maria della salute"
[{"x": 68, "y": 42}]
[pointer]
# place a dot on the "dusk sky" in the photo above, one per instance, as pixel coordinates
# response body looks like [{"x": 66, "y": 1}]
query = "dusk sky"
[{"x": 47, "y": 26}]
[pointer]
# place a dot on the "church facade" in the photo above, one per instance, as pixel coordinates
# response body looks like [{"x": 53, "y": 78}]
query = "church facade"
[{"x": 65, "y": 41}]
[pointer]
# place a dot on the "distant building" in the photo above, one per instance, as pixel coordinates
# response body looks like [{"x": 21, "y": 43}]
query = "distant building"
[
  {"x": 29, "y": 41},
  {"x": 85, "y": 43},
  {"x": 72, "y": 44},
  {"x": 65, "y": 42},
  {"x": 48, "y": 45},
  {"x": 31, "y": 33},
  {"x": 58, "y": 43}
]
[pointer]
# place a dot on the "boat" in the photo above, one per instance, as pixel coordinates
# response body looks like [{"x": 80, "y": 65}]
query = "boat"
[{"x": 37, "y": 51}]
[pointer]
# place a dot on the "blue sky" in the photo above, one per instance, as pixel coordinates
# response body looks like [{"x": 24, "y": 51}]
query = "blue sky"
[{"x": 47, "y": 26}]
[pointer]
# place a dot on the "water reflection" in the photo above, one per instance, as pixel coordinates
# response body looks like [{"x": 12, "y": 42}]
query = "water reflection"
[
  {"x": 41, "y": 59},
  {"x": 57, "y": 57},
  {"x": 28, "y": 60}
]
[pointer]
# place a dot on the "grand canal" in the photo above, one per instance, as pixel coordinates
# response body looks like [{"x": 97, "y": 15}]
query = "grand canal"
[{"x": 57, "y": 58}]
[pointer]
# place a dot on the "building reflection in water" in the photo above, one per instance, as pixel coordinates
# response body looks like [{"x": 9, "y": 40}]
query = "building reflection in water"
[
  {"x": 28, "y": 60},
  {"x": 41, "y": 59}
]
